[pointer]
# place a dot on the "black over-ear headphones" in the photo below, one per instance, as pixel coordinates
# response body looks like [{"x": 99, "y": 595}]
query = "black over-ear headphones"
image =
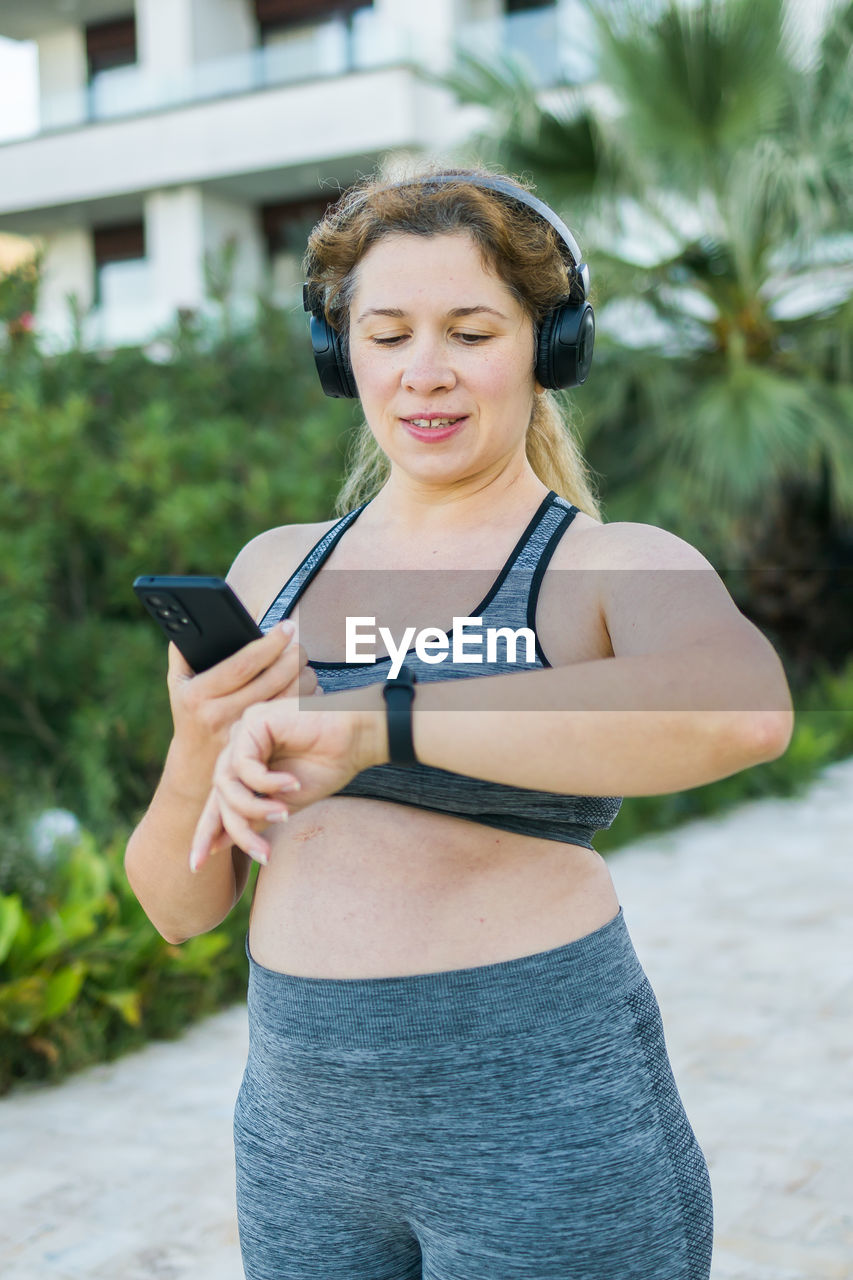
[{"x": 565, "y": 339}]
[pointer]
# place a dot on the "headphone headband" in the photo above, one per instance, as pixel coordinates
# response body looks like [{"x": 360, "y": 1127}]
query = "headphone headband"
[{"x": 490, "y": 183}]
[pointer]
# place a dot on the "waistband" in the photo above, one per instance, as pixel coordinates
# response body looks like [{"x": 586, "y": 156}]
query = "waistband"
[{"x": 511, "y": 996}]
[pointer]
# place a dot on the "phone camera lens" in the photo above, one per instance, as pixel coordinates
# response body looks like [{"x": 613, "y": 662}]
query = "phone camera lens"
[{"x": 156, "y": 601}]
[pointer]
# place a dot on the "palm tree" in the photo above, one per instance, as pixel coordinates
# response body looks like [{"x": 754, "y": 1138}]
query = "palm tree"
[{"x": 709, "y": 172}]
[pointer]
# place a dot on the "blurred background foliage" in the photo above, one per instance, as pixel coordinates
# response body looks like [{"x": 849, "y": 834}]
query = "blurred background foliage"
[
  {"x": 715, "y": 209},
  {"x": 114, "y": 465},
  {"x": 709, "y": 176},
  {"x": 84, "y": 977}
]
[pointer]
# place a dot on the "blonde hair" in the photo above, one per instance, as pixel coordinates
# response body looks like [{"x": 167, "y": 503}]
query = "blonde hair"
[{"x": 523, "y": 249}]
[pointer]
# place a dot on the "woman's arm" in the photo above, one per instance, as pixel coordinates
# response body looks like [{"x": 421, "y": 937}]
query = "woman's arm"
[
  {"x": 693, "y": 693},
  {"x": 629, "y": 726},
  {"x": 204, "y": 709},
  {"x": 637, "y": 725},
  {"x": 178, "y": 904}
]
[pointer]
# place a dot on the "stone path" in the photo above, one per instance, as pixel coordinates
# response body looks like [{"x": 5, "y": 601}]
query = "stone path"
[{"x": 743, "y": 924}]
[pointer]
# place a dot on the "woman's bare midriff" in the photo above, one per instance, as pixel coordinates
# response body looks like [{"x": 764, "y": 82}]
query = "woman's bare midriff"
[{"x": 362, "y": 888}]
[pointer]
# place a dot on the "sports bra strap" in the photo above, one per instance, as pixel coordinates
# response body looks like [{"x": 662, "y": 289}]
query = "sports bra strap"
[
  {"x": 513, "y": 591},
  {"x": 299, "y": 579}
]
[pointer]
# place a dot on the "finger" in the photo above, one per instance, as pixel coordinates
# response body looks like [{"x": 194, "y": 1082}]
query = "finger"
[
  {"x": 283, "y": 678},
  {"x": 265, "y": 732},
  {"x": 208, "y": 833},
  {"x": 179, "y": 668},
  {"x": 220, "y": 845},
  {"x": 243, "y": 834},
  {"x": 246, "y": 664},
  {"x": 237, "y": 798},
  {"x": 279, "y": 679},
  {"x": 255, "y": 775},
  {"x": 219, "y": 827},
  {"x": 308, "y": 682}
]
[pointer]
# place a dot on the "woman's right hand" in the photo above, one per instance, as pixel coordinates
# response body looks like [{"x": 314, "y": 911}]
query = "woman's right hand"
[{"x": 207, "y": 704}]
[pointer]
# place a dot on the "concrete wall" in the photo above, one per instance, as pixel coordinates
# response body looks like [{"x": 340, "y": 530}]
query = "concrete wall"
[
  {"x": 69, "y": 267},
  {"x": 174, "y": 245},
  {"x": 197, "y": 168},
  {"x": 222, "y": 219},
  {"x": 173, "y": 35},
  {"x": 62, "y": 76},
  {"x": 222, "y": 139},
  {"x": 430, "y": 27}
]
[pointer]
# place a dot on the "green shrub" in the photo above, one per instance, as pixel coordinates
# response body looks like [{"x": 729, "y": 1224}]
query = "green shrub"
[
  {"x": 84, "y": 976},
  {"x": 117, "y": 466}
]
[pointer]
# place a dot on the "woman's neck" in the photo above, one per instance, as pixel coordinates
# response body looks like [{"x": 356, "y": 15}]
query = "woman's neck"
[{"x": 417, "y": 509}]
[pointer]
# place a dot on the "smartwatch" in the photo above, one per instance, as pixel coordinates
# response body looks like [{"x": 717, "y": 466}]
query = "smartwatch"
[{"x": 399, "y": 694}]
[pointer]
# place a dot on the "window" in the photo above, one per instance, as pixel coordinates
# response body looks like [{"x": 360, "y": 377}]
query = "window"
[
  {"x": 110, "y": 44},
  {"x": 287, "y": 224},
  {"x": 516, "y": 6},
  {"x": 531, "y": 31},
  {"x": 124, "y": 242},
  {"x": 275, "y": 14}
]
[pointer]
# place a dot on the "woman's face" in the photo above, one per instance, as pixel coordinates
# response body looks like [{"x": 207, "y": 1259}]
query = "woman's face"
[{"x": 435, "y": 335}]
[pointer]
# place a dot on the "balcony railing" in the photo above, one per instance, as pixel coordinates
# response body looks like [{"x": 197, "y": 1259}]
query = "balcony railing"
[
  {"x": 549, "y": 41},
  {"x": 329, "y": 49}
]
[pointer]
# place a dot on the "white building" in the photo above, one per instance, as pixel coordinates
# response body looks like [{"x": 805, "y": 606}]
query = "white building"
[{"x": 169, "y": 126}]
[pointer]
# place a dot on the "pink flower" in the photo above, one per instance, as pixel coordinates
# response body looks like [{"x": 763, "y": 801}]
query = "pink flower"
[{"x": 24, "y": 323}]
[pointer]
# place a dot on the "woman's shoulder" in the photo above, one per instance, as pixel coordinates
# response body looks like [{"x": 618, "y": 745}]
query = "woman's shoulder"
[
  {"x": 264, "y": 564},
  {"x": 624, "y": 544}
]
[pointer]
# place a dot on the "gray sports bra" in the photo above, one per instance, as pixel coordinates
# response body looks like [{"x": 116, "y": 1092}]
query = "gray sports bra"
[{"x": 510, "y": 602}]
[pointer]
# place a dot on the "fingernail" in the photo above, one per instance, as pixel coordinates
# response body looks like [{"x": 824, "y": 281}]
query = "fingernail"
[
  {"x": 287, "y": 627},
  {"x": 292, "y": 784},
  {"x": 277, "y": 815},
  {"x": 194, "y": 860},
  {"x": 261, "y": 852}
]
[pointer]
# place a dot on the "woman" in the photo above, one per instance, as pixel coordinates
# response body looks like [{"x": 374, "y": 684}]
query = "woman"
[{"x": 457, "y": 1067}]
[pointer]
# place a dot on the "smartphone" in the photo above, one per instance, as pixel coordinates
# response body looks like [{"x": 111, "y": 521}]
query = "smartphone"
[{"x": 203, "y": 616}]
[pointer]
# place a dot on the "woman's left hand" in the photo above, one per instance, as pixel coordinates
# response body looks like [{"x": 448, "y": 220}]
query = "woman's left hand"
[{"x": 277, "y": 749}]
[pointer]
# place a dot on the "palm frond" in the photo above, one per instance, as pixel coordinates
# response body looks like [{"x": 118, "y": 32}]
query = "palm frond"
[
  {"x": 748, "y": 430},
  {"x": 559, "y": 143},
  {"x": 697, "y": 81},
  {"x": 710, "y": 177}
]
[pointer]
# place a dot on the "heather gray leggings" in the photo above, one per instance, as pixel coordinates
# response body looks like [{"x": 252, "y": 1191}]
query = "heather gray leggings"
[{"x": 512, "y": 1121}]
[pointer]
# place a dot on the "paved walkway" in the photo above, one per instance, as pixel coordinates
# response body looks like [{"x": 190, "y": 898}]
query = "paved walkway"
[{"x": 744, "y": 927}]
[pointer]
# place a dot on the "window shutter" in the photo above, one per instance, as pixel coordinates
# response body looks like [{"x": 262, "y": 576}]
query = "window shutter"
[
  {"x": 120, "y": 243},
  {"x": 275, "y": 13},
  {"x": 110, "y": 44}
]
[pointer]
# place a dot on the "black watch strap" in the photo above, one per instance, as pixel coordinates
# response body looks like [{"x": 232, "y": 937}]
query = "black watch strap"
[{"x": 399, "y": 694}]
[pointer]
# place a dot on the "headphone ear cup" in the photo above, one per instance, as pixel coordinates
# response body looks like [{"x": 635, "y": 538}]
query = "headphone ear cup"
[
  {"x": 333, "y": 367},
  {"x": 349, "y": 390},
  {"x": 564, "y": 349}
]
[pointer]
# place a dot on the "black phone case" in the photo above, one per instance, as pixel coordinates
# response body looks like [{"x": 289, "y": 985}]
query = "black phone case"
[{"x": 203, "y": 616}]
